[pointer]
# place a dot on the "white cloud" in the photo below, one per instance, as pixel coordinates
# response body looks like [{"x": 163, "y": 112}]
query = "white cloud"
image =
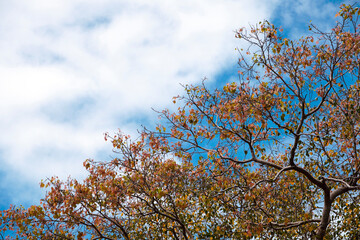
[{"x": 71, "y": 70}]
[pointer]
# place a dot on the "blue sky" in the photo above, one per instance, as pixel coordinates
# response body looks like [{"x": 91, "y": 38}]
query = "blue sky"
[{"x": 74, "y": 69}]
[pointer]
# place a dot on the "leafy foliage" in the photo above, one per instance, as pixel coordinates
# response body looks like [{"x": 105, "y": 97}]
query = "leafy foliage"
[{"x": 274, "y": 156}]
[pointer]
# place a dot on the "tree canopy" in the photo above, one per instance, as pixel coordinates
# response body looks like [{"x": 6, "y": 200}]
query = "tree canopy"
[{"x": 275, "y": 155}]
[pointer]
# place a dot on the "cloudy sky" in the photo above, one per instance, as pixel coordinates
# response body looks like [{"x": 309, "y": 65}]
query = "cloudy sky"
[{"x": 71, "y": 70}]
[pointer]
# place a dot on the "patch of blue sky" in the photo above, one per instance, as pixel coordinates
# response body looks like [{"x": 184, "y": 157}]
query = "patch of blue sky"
[
  {"x": 136, "y": 121},
  {"x": 4, "y": 190},
  {"x": 296, "y": 16},
  {"x": 227, "y": 75},
  {"x": 17, "y": 194}
]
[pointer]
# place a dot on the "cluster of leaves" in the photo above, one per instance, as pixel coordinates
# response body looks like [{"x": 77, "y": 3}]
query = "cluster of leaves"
[
  {"x": 144, "y": 194},
  {"x": 274, "y": 156}
]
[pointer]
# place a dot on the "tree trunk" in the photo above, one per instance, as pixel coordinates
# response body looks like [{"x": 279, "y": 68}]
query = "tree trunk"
[{"x": 325, "y": 218}]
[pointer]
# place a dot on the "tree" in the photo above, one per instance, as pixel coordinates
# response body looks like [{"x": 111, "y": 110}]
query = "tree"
[{"x": 273, "y": 156}]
